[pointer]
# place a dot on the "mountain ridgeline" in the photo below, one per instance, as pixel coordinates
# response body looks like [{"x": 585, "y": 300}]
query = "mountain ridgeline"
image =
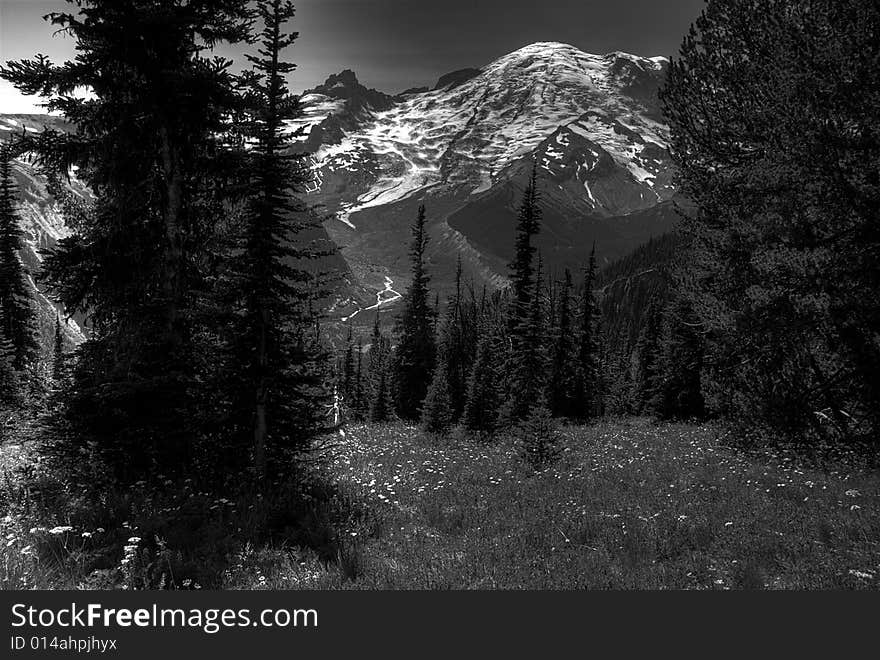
[{"x": 465, "y": 148}]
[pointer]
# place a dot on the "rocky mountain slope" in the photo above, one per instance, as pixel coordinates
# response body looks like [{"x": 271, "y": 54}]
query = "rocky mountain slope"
[{"x": 465, "y": 148}]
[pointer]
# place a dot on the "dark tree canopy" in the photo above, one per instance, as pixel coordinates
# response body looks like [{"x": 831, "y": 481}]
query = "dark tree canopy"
[
  {"x": 283, "y": 367},
  {"x": 522, "y": 269},
  {"x": 775, "y": 113},
  {"x": 150, "y": 146},
  {"x": 18, "y": 324},
  {"x": 416, "y": 351}
]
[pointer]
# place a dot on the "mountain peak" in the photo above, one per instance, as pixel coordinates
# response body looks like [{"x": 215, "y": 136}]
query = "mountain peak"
[
  {"x": 345, "y": 86},
  {"x": 346, "y": 78},
  {"x": 456, "y": 78},
  {"x": 556, "y": 50},
  {"x": 543, "y": 51},
  {"x": 592, "y": 122},
  {"x": 546, "y": 47}
]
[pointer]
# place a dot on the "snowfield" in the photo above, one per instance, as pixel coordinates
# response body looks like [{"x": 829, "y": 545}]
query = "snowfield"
[{"x": 468, "y": 134}]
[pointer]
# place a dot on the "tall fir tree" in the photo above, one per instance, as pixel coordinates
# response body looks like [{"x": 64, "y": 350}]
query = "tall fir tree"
[
  {"x": 523, "y": 299},
  {"x": 522, "y": 269},
  {"x": 437, "y": 413},
  {"x": 380, "y": 405},
  {"x": 773, "y": 107},
  {"x": 456, "y": 344},
  {"x": 586, "y": 393},
  {"x": 359, "y": 394},
  {"x": 282, "y": 361},
  {"x": 564, "y": 372},
  {"x": 17, "y": 305},
  {"x": 379, "y": 409},
  {"x": 347, "y": 370},
  {"x": 527, "y": 363},
  {"x": 416, "y": 350},
  {"x": 148, "y": 142},
  {"x": 484, "y": 391}
]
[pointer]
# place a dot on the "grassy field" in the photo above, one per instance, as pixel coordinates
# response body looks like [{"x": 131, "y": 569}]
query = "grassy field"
[{"x": 628, "y": 505}]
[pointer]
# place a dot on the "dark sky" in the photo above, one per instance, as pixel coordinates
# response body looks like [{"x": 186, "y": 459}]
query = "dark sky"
[{"x": 397, "y": 44}]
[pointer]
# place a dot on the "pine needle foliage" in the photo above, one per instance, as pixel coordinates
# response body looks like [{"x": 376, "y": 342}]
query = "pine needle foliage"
[
  {"x": 148, "y": 144},
  {"x": 415, "y": 356},
  {"x": 283, "y": 366},
  {"x": 17, "y": 304}
]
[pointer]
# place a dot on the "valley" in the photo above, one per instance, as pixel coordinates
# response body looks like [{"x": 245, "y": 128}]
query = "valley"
[{"x": 465, "y": 148}]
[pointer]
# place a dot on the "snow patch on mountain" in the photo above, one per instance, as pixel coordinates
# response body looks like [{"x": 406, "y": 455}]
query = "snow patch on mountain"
[
  {"x": 468, "y": 133},
  {"x": 316, "y": 108}
]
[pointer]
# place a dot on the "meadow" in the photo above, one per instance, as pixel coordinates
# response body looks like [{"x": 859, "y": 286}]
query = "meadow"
[{"x": 626, "y": 505}]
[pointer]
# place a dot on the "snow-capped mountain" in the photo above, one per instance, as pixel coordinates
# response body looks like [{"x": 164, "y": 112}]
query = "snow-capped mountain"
[{"x": 465, "y": 147}]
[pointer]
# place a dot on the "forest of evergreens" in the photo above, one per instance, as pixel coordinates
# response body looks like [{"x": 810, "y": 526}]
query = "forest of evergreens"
[{"x": 209, "y": 366}]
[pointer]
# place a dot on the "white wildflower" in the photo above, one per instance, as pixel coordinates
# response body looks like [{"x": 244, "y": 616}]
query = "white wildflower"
[
  {"x": 63, "y": 529},
  {"x": 862, "y": 575}
]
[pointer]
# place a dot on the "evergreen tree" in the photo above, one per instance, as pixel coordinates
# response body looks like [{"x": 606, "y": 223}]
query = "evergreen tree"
[
  {"x": 627, "y": 288},
  {"x": 416, "y": 350},
  {"x": 527, "y": 363},
  {"x": 457, "y": 345},
  {"x": 678, "y": 390},
  {"x": 564, "y": 374},
  {"x": 347, "y": 370},
  {"x": 281, "y": 358},
  {"x": 522, "y": 275},
  {"x": 524, "y": 302},
  {"x": 539, "y": 436},
  {"x": 586, "y": 390},
  {"x": 10, "y": 379},
  {"x": 483, "y": 393},
  {"x": 553, "y": 310},
  {"x": 149, "y": 143},
  {"x": 58, "y": 357},
  {"x": 619, "y": 398},
  {"x": 647, "y": 358},
  {"x": 437, "y": 414},
  {"x": 17, "y": 311},
  {"x": 604, "y": 358},
  {"x": 379, "y": 409},
  {"x": 380, "y": 392},
  {"x": 774, "y": 107},
  {"x": 359, "y": 403}
]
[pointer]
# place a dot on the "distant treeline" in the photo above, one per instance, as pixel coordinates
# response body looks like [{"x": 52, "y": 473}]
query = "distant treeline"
[
  {"x": 571, "y": 346},
  {"x": 761, "y": 310}
]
